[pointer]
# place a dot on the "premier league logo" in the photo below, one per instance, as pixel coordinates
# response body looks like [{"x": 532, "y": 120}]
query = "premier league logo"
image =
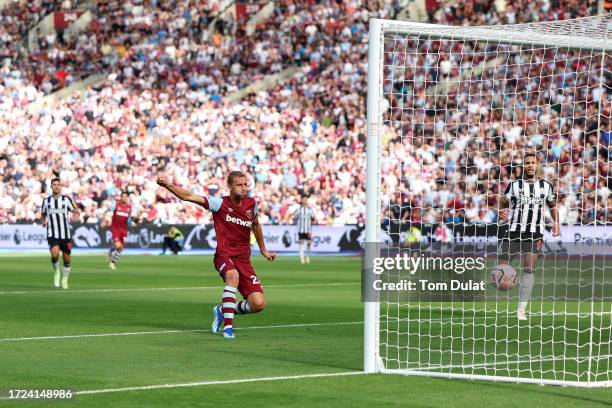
[
  {"x": 143, "y": 238},
  {"x": 286, "y": 239}
]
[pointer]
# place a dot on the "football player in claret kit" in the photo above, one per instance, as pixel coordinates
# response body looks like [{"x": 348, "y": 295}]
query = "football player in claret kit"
[
  {"x": 119, "y": 228},
  {"x": 234, "y": 216}
]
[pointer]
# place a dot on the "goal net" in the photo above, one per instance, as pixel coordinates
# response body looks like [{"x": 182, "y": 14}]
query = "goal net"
[{"x": 451, "y": 113}]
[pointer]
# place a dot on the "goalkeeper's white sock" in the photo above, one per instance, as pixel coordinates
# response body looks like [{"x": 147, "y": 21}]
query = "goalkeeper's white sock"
[
  {"x": 302, "y": 253},
  {"x": 526, "y": 286}
]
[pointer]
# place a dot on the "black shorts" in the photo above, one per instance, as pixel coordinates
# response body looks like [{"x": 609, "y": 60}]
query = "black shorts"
[
  {"x": 64, "y": 244},
  {"x": 516, "y": 243},
  {"x": 305, "y": 236}
]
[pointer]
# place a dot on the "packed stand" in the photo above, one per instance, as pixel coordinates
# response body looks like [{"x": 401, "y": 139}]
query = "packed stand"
[
  {"x": 304, "y": 136},
  {"x": 459, "y": 152},
  {"x": 23, "y": 70}
]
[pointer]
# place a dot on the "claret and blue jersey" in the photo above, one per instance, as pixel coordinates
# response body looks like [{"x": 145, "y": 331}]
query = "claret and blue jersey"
[{"x": 232, "y": 224}]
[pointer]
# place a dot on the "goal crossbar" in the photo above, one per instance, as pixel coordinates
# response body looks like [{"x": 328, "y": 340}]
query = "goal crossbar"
[{"x": 573, "y": 39}]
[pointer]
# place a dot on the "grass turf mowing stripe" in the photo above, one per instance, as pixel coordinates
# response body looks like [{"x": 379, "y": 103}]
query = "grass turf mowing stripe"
[
  {"x": 297, "y": 285},
  {"x": 78, "y": 336},
  {"x": 503, "y": 363},
  {"x": 219, "y": 382}
]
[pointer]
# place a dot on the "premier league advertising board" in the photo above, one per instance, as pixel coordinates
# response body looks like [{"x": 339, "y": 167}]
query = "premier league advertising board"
[
  {"x": 279, "y": 238},
  {"x": 284, "y": 238},
  {"x": 16, "y": 236}
]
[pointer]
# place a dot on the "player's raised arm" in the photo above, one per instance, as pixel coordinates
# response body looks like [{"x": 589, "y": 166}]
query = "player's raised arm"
[
  {"x": 181, "y": 193},
  {"x": 258, "y": 232}
]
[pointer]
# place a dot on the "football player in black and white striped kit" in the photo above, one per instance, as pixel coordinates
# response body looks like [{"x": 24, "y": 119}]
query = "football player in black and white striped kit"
[
  {"x": 527, "y": 198},
  {"x": 56, "y": 211},
  {"x": 305, "y": 216}
]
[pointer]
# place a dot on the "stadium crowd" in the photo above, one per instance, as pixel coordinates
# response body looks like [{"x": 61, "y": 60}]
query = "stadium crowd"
[{"x": 162, "y": 109}]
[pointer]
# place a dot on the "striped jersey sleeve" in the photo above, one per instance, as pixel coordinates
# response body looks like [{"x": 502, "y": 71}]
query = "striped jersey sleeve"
[
  {"x": 69, "y": 204},
  {"x": 508, "y": 191},
  {"x": 551, "y": 197}
]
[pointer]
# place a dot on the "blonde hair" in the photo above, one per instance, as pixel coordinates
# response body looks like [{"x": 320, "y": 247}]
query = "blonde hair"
[{"x": 233, "y": 175}]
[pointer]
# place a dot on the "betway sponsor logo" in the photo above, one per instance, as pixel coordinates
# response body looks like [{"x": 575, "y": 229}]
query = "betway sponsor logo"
[{"x": 238, "y": 221}]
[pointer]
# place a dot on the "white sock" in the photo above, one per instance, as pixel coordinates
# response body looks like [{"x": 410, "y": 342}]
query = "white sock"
[
  {"x": 302, "y": 252},
  {"x": 115, "y": 255},
  {"x": 66, "y": 271},
  {"x": 228, "y": 305},
  {"x": 55, "y": 266},
  {"x": 525, "y": 288}
]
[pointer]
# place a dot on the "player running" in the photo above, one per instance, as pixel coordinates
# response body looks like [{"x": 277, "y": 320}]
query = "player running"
[
  {"x": 234, "y": 216},
  {"x": 119, "y": 228},
  {"x": 56, "y": 219},
  {"x": 526, "y": 197},
  {"x": 305, "y": 216}
]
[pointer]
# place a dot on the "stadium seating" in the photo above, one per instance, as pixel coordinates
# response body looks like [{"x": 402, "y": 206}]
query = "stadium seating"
[{"x": 162, "y": 110}]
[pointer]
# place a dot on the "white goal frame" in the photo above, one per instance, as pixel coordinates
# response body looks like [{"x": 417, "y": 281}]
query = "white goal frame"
[{"x": 544, "y": 34}]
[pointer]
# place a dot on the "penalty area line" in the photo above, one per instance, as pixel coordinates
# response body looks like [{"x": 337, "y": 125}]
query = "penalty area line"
[{"x": 219, "y": 382}]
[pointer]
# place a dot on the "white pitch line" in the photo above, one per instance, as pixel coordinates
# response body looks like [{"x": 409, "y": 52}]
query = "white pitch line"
[
  {"x": 305, "y": 285},
  {"x": 221, "y": 382},
  {"x": 79, "y": 336}
]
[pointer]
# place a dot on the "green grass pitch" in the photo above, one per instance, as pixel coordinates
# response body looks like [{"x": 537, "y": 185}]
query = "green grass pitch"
[{"x": 151, "y": 321}]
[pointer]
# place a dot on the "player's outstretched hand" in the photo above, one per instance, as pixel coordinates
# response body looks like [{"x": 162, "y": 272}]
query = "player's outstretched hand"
[
  {"x": 270, "y": 256},
  {"x": 162, "y": 181}
]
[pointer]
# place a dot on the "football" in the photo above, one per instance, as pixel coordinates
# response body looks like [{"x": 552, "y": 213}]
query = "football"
[{"x": 503, "y": 277}]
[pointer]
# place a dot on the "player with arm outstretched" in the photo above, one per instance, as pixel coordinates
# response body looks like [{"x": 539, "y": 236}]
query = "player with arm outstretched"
[
  {"x": 526, "y": 198},
  {"x": 119, "y": 228},
  {"x": 234, "y": 216}
]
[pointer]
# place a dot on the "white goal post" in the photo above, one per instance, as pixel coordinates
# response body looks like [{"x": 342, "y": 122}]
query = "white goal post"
[{"x": 447, "y": 107}]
